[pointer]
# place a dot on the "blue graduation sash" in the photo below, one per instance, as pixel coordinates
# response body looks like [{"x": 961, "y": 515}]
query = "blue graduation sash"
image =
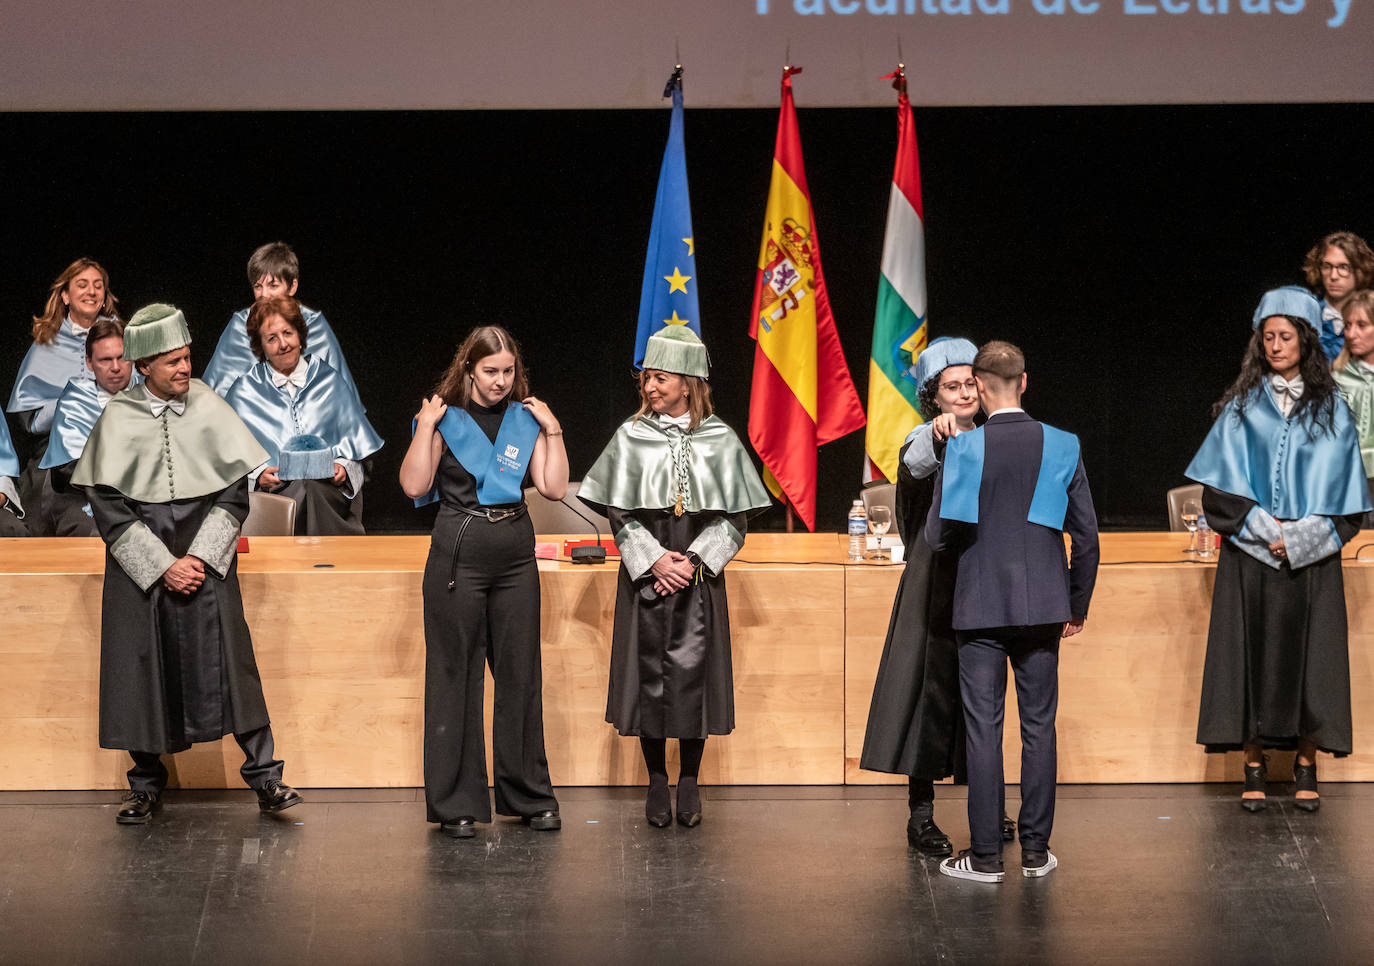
[
  {"x": 498, "y": 468},
  {"x": 964, "y": 477}
]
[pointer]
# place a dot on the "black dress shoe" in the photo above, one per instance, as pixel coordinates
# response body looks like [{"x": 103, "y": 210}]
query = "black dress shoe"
[
  {"x": 658, "y": 807},
  {"x": 545, "y": 821},
  {"x": 277, "y": 795},
  {"x": 1008, "y": 829},
  {"x": 138, "y": 808},
  {"x": 460, "y": 828},
  {"x": 927, "y": 837}
]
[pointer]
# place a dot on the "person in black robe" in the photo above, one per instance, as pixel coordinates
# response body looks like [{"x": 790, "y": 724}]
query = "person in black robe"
[
  {"x": 474, "y": 440},
  {"x": 676, "y": 485},
  {"x": 1284, "y": 486},
  {"x": 165, "y": 469},
  {"x": 915, "y": 720}
]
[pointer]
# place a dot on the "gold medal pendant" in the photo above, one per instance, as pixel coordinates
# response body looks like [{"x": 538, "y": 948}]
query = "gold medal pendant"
[{"x": 677, "y": 507}]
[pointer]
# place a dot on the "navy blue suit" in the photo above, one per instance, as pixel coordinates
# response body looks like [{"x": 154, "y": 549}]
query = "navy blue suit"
[{"x": 1012, "y": 596}]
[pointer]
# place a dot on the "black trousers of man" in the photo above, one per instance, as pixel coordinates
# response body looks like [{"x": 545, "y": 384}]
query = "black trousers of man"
[
  {"x": 149, "y": 774},
  {"x": 983, "y": 655}
]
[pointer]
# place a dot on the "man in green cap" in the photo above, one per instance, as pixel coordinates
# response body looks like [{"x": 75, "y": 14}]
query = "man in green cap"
[{"x": 166, "y": 470}]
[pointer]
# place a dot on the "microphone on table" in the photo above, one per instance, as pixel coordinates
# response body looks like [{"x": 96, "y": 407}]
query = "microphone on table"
[{"x": 586, "y": 555}]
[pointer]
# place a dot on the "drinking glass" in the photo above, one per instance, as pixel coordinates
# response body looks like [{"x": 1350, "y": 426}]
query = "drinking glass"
[
  {"x": 879, "y": 521},
  {"x": 1192, "y": 509}
]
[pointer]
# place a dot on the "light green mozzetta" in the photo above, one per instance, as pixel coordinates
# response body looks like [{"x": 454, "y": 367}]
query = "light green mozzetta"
[
  {"x": 158, "y": 459},
  {"x": 1356, "y": 383},
  {"x": 636, "y": 469},
  {"x": 153, "y": 330}
]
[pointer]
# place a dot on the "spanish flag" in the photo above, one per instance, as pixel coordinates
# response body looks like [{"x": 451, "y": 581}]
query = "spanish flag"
[
  {"x": 802, "y": 394},
  {"x": 899, "y": 326}
]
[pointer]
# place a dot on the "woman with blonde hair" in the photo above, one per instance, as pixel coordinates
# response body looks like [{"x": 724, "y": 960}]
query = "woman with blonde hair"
[
  {"x": 479, "y": 440},
  {"x": 1353, "y": 371},
  {"x": 676, "y": 485},
  {"x": 76, "y": 300}
]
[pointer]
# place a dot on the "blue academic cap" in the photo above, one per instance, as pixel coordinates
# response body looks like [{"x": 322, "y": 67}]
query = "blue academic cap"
[
  {"x": 940, "y": 354},
  {"x": 1293, "y": 301},
  {"x": 305, "y": 458}
]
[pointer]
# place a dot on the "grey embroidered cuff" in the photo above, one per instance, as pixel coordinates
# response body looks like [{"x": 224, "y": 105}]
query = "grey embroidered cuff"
[
  {"x": 11, "y": 496},
  {"x": 638, "y": 549},
  {"x": 1308, "y": 540},
  {"x": 920, "y": 455},
  {"x": 216, "y": 541},
  {"x": 717, "y": 546},
  {"x": 354, "y": 469},
  {"x": 142, "y": 556}
]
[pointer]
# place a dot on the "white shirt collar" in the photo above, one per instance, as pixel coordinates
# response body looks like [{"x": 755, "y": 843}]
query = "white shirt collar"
[
  {"x": 176, "y": 404},
  {"x": 681, "y": 422},
  {"x": 101, "y": 396},
  {"x": 75, "y": 329},
  {"x": 292, "y": 381},
  {"x": 1286, "y": 391},
  {"x": 1364, "y": 365},
  {"x": 1005, "y": 409}
]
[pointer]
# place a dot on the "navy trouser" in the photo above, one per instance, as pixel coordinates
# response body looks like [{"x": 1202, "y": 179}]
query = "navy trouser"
[{"x": 1034, "y": 654}]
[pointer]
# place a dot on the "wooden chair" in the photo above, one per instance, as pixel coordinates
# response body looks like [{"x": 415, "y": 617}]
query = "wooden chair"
[
  {"x": 1175, "y": 499},
  {"x": 269, "y": 515},
  {"x": 551, "y": 516}
]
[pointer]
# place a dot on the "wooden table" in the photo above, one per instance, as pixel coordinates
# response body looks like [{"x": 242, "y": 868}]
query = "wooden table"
[{"x": 336, "y": 625}]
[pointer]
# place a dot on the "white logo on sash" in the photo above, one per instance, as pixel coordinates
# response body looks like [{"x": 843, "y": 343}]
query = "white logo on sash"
[{"x": 512, "y": 452}]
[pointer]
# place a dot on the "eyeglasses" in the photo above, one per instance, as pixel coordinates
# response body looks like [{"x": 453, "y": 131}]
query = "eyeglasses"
[
  {"x": 953, "y": 387},
  {"x": 1338, "y": 269}
]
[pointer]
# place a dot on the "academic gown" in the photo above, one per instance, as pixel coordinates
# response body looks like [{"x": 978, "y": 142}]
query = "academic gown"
[
  {"x": 1277, "y": 665},
  {"x": 174, "y": 669},
  {"x": 326, "y": 406},
  {"x": 915, "y": 720},
  {"x": 11, "y": 514},
  {"x": 65, "y": 510},
  {"x": 42, "y": 376},
  {"x": 671, "y": 674},
  {"x": 1356, "y": 383}
]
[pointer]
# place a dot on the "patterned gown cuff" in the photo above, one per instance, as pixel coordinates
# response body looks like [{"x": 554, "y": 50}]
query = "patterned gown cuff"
[
  {"x": 354, "y": 483},
  {"x": 638, "y": 549},
  {"x": 1308, "y": 540},
  {"x": 1254, "y": 537},
  {"x": 717, "y": 546},
  {"x": 216, "y": 541},
  {"x": 12, "y": 502},
  {"x": 920, "y": 456},
  {"x": 142, "y": 555}
]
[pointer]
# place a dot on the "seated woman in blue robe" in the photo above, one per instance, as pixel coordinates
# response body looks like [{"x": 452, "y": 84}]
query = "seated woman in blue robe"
[
  {"x": 1284, "y": 485},
  {"x": 78, "y": 297},
  {"x": 290, "y": 394},
  {"x": 11, "y": 508}
]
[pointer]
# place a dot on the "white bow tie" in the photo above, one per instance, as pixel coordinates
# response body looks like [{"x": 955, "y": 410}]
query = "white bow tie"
[
  {"x": 1283, "y": 387},
  {"x": 295, "y": 377},
  {"x": 681, "y": 422},
  {"x": 159, "y": 406}
]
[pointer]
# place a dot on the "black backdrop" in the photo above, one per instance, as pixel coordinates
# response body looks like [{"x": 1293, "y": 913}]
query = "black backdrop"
[{"x": 1123, "y": 248}]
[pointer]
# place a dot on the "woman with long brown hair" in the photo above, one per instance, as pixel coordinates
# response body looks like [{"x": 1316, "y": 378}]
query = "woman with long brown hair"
[
  {"x": 677, "y": 486},
  {"x": 76, "y": 300},
  {"x": 479, "y": 439}
]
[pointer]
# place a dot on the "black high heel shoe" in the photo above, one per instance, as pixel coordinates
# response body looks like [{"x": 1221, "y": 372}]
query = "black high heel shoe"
[
  {"x": 1254, "y": 782},
  {"x": 658, "y": 809},
  {"x": 1305, "y": 780}
]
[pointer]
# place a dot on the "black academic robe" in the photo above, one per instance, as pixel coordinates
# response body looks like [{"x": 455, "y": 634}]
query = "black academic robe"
[
  {"x": 915, "y": 720},
  {"x": 670, "y": 655},
  {"x": 174, "y": 669},
  {"x": 64, "y": 506},
  {"x": 1277, "y": 665},
  {"x": 322, "y": 510}
]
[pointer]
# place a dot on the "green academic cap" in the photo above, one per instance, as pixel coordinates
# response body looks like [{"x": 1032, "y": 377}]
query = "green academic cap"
[
  {"x": 676, "y": 348},
  {"x": 153, "y": 330}
]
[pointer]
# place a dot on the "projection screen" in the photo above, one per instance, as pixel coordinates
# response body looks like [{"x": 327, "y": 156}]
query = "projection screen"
[{"x": 427, "y": 54}]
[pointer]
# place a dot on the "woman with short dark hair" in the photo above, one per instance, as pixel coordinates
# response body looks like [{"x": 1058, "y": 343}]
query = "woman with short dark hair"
[
  {"x": 1285, "y": 487},
  {"x": 479, "y": 440}
]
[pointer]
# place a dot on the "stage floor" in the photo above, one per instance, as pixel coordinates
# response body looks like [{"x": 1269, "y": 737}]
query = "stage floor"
[{"x": 1148, "y": 874}]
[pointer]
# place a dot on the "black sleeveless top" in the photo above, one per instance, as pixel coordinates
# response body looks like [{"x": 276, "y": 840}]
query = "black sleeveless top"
[{"x": 456, "y": 485}]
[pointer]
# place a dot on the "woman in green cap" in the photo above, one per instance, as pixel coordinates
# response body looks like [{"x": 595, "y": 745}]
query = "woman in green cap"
[{"x": 676, "y": 485}]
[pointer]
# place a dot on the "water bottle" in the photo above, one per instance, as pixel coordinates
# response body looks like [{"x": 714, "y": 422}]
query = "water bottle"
[
  {"x": 1206, "y": 542},
  {"x": 858, "y": 530}
]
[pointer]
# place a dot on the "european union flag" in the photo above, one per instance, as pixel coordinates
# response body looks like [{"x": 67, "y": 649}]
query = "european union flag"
[{"x": 668, "y": 295}]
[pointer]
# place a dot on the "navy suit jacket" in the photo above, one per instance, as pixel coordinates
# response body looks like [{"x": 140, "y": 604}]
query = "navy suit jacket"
[{"x": 1012, "y": 573}]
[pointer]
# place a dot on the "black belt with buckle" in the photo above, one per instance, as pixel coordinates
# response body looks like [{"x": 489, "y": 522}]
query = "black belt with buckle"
[{"x": 491, "y": 514}]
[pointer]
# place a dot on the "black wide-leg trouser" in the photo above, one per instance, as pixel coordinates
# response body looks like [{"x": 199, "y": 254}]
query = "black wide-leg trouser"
[{"x": 481, "y": 598}]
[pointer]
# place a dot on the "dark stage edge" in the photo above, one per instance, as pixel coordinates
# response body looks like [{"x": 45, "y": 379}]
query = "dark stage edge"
[{"x": 1148, "y": 874}]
